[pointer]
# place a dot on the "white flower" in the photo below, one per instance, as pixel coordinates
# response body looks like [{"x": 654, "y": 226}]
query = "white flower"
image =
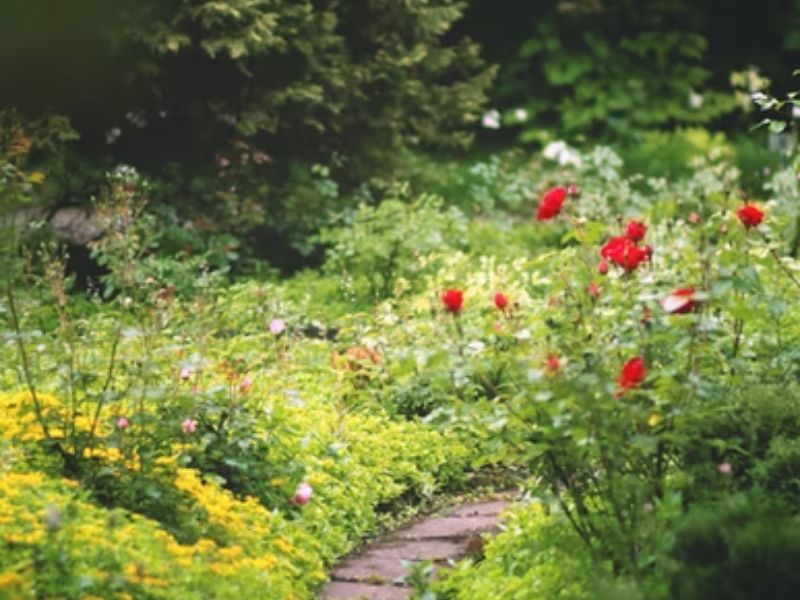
[
  {"x": 491, "y": 119},
  {"x": 695, "y": 100},
  {"x": 112, "y": 135},
  {"x": 569, "y": 157},
  {"x": 554, "y": 149},
  {"x": 475, "y": 347},
  {"x": 521, "y": 114},
  {"x": 522, "y": 335}
]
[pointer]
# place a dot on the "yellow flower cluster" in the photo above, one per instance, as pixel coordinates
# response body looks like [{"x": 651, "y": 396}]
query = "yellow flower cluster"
[
  {"x": 247, "y": 517},
  {"x": 247, "y": 526},
  {"x": 18, "y": 420},
  {"x": 16, "y": 526}
]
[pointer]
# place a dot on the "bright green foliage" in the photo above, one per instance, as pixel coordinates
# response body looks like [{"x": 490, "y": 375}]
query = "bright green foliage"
[
  {"x": 387, "y": 246},
  {"x": 534, "y": 558}
]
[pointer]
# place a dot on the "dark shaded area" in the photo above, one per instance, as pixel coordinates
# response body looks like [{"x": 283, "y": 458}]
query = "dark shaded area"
[{"x": 86, "y": 270}]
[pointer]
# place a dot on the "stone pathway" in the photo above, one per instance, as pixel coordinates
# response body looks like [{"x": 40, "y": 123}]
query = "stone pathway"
[{"x": 376, "y": 571}]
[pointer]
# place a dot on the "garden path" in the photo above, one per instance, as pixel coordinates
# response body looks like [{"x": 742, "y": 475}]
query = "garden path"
[{"x": 376, "y": 571}]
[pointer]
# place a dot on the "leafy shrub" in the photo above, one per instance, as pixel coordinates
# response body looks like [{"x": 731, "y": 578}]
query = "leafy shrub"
[
  {"x": 742, "y": 548},
  {"x": 387, "y": 245},
  {"x": 536, "y": 556},
  {"x": 755, "y": 431}
]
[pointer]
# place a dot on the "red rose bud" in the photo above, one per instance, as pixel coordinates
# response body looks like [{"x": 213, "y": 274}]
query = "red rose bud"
[
  {"x": 648, "y": 252},
  {"x": 594, "y": 290},
  {"x": 602, "y": 268},
  {"x": 500, "y": 301},
  {"x": 553, "y": 363},
  {"x": 573, "y": 191},
  {"x": 694, "y": 218},
  {"x": 635, "y": 231},
  {"x": 750, "y": 215},
  {"x": 551, "y": 204},
  {"x": 453, "y": 300},
  {"x": 680, "y": 302},
  {"x": 632, "y": 374}
]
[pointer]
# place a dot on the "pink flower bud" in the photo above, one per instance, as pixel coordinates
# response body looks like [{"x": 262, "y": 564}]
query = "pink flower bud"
[
  {"x": 186, "y": 373},
  {"x": 245, "y": 385},
  {"x": 725, "y": 468},
  {"x": 123, "y": 423},
  {"x": 189, "y": 426},
  {"x": 573, "y": 191},
  {"x": 302, "y": 495},
  {"x": 602, "y": 267},
  {"x": 277, "y": 326}
]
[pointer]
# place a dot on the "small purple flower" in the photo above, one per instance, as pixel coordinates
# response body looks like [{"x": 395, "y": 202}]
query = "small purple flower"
[
  {"x": 277, "y": 326},
  {"x": 189, "y": 426}
]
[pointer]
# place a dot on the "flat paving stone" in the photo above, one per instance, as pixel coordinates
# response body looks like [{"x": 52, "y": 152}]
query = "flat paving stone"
[
  {"x": 447, "y": 528},
  {"x": 416, "y": 550},
  {"x": 345, "y": 590},
  {"x": 370, "y": 569},
  {"x": 479, "y": 509}
]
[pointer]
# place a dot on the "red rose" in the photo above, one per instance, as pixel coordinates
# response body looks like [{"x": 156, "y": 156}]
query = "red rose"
[
  {"x": 623, "y": 252},
  {"x": 500, "y": 300},
  {"x": 551, "y": 204},
  {"x": 453, "y": 300},
  {"x": 680, "y": 302},
  {"x": 635, "y": 231},
  {"x": 750, "y": 215},
  {"x": 602, "y": 268},
  {"x": 632, "y": 374}
]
